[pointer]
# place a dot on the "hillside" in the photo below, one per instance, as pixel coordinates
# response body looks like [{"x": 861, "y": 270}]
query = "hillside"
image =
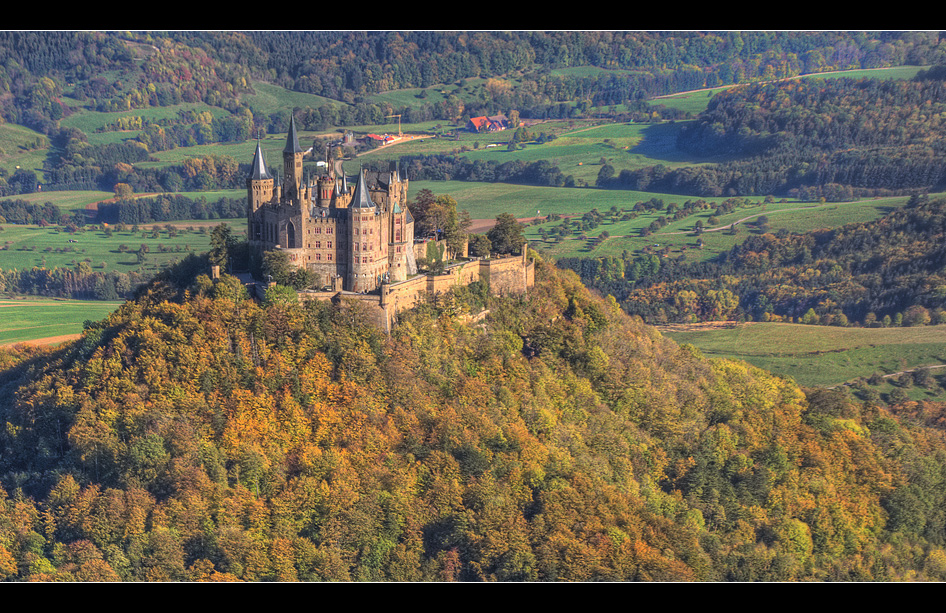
[
  {"x": 197, "y": 435},
  {"x": 814, "y": 138},
  {"x": 883, "y": 272}
]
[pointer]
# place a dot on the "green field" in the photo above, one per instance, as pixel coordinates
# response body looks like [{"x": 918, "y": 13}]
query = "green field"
[
  {"x": 821, "y": 355},
  {"x": 67, "y": 201},
  {"x": 27, "y": 319},
  {"x": 272, "y": 98},
  {"x": 487, "y": 200},
  {"x": 23, "y": 247},
  {"x": 89, "y": 121},
  {"x": 577, "y": 149},
  {"x": 21, "y": 147}
]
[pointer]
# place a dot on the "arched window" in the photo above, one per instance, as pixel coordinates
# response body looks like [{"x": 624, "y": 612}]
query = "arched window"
[{"x": 290, "y": 235}]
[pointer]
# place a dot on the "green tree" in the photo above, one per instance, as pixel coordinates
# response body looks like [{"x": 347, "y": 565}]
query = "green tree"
[
  {"x": 276, "y": 267},
  {"x": 123, "y": 191},
  {"x": 281, "y": 295},
  {"x": 507, "y": 235},
  {"x": 480, "y": 245},
  {"x": 222, "y": 243},
  {"x": 605, "y": 175}
]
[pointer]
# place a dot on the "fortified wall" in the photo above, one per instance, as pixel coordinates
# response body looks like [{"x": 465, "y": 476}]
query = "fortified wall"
[{"x": 505, "y": 276}]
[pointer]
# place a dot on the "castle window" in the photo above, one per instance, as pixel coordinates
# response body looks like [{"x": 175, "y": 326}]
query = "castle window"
[
  {"x": 318, "y": 244},
  {"x": 330, "y": 244},
  {"x": 329, "y": 257}
]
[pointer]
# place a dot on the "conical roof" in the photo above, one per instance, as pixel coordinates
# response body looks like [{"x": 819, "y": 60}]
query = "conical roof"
[
  {"x": 258, "y": 171},
  {"x": 292, "y": 140},
  {"x": 360, "y": 199}
]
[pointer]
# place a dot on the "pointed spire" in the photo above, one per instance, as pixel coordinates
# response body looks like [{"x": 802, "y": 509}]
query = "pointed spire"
[
  {"x": 361, "y": 200},
  {"x": 292, "y": 140},
  {"x": 258, "y": 170}
]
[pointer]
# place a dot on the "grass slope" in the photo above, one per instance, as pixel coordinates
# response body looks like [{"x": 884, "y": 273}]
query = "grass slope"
[{"x": 820, "y": 355}]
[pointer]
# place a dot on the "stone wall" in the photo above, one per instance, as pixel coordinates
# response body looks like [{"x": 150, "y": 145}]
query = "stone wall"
[{"x": 507, "y": 275}]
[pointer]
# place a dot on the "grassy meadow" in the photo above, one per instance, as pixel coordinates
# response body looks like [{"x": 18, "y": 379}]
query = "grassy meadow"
[
  {"x": 28, "y": 319},
  {"x": 820, "y": 355},
  {"x": 21, "y": 147}
]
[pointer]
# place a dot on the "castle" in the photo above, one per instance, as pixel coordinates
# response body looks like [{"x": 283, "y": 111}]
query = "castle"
[
  {"x": 354, "y": 237},
  {"x": 359, "y": 238}
]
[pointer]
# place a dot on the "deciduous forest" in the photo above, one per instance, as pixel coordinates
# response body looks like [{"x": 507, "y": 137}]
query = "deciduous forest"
[
  {"x": 198, "y": 435},
  {"x": 201, "y": 434}
]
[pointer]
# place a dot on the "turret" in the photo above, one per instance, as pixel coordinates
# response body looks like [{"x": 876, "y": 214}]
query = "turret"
[
  {"x": 361, "y": 211},
  {"x": 292, "y": 164},
  {"x": 259, "y": 191}
]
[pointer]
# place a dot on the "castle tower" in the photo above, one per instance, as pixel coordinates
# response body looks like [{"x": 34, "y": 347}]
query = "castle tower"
[
  {"x": 292, "y": 164},
  {"x": 361, "y": 269},
  {"x": 259, "y": 191}
]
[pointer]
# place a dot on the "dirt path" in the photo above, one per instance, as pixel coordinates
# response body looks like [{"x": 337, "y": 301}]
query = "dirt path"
[
  {"x": 801, "y": 76},
  {"x": 49, "y": 340},
  {"x": 704, "y": 325}
]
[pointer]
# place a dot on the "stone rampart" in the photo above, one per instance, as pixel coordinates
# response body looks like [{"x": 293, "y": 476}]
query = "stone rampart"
[{"x": 505, "y": 275}]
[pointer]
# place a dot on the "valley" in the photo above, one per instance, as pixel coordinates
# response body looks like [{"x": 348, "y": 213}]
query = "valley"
[{"x": 720, "y": 355}]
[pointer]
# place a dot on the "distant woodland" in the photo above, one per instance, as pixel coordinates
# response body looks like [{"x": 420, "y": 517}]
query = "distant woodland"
[
  {"x": 543, "y": 75},
  {"x": 198, "y": 435}
]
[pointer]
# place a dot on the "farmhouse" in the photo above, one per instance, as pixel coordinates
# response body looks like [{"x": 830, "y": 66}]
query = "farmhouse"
[{"x": 495, "y": 123}]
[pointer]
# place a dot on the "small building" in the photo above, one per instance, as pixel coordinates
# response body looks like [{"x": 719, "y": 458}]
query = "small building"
[{"x": 496, "y": 123}]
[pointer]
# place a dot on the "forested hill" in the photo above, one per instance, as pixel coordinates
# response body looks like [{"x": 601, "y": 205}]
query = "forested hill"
[
  {"x": 884, "y": 272},
  {"x": 812, "y": 138},
  {"x": 118, "y": 71},
  {"x": 197, "y": 435}
]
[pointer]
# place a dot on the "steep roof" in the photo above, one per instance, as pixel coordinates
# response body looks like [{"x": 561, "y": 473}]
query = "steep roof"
[
  {"x": 361, "y": 199},
  {"x": 258, "y": 170},
  {"x": 292, "y": 140}
]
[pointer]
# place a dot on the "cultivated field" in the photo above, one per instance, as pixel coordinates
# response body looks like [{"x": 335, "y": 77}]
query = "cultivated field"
[
  {"x": 819, "y": 355},
  {"x": 42, "y": 320}
]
